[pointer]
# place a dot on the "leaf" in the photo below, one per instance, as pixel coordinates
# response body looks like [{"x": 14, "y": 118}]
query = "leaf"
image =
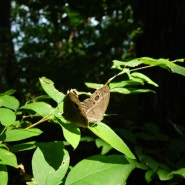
[
  {"x": 50, "y": 163},
  {"x": 144, "y": 77},
  {"x": 109, "y": 136},
  {"x": 180, "y": 172},
  {"x": 3, "y": 175},
  {"x": 7, "y": 117},
  {"x": 178, "y": 69},
  {"x": 105, "y": 146},
  {"x": 41, "y": 108},
  {"x": 9, "y": 102},
  {"x": 100, "y": 169},
  {"x": 23, "y": 146},
  {"x": 148, "y": 175},
  {"x": 9, "y": 92},
  {"x": 92, "y": 85},
  {"x": 7, "y": 158},
  {"x": 131, "y": 63},
  {"x": 71, "y": 131},
  {"x": 20, "y": 134},
  {"x": 164, "y": 175},
  {"x": 124, "y": 83},
  {"x": 49, "y": 88},
  {"x": 130, "y": 90}
]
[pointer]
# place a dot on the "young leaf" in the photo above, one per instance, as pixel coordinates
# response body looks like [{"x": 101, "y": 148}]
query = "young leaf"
[
  {"x": 108, "y": 135},
  {"x": 144, "y": 78},
  {"x": 49, "y": 88},
  {"x": 131, "y": 63}
]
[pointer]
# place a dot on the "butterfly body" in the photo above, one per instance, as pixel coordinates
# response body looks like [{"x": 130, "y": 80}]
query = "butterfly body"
[{"x": 90, "y": 110}]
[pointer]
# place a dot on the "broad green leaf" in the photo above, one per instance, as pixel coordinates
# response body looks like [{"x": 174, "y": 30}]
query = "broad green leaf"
[
  {"x": 23, "y": 146},
  {"x": 3, "y": 175},
  {"x": 7, "y": 117},
  {"x": 50, "y": 163},
  {"x": 108, "y": 135},
  {"x": 143, "y": 77},
  {"x": 41, "y": 108},
  {"x": 49, "y": 88},
  {"x": 7, "y": 158},
  {"x": 9, "y": 102},
  {"x": 100, "y": 169},
  {"x": 20, "y": 134},
  {"x": 71, "y": 131}
]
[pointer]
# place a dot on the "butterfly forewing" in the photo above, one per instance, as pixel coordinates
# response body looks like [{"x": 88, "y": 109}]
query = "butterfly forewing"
[{"x": 73, "y": 111}]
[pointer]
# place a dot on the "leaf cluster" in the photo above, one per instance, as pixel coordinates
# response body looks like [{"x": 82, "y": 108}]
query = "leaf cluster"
[{"x": 51, "y": 160}]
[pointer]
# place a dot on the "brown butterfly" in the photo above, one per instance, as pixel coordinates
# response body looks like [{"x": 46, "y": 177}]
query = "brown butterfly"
[{"x": 90, "y": 110}]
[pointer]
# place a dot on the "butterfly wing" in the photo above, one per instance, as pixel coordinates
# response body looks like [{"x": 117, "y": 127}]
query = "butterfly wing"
[
  {"x": 96, "y": 105},
  {"x": 73, "y": 111}
]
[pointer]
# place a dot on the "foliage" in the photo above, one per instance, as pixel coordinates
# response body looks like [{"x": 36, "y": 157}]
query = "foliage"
[{"x": 51, "y": 160}]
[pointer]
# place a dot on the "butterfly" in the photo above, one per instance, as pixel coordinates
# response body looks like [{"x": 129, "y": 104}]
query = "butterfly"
[{"x": 90, "y": 110}]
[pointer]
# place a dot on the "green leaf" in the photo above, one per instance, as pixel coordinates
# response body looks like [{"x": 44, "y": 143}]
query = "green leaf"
[
  {"x": 9, "y": 102},
  {"x": 49, "y": 88},
  {"x": 7, "y": 117},
  {"x": 130, "y": 90},
  {"x": 23, "y": 146},
  {"x": 20, "y": 134},
  {"x": 164, "y": 175},
  {"x": 148, "y": 175},
  {"x": 105, "y": 146},
  {"x": 131, "y": 63},
  {"x": 100, "y": 169},
  {"x": 121, "y": 90},
  {"x": 92, "y": 85},
  {"x": 3, "y": 175},
  {"x": 178, "y": 69},
  {"x": 7, "y": 158},
  {"x": 144, "y": 78},
  {"x": 9, "y": 92},
  {"x": 109, "y": 136},
  {"x": 180, "y": 172},
  {"x": 41, "y": 108},
  {"x": 50, "y": 163},
  {"x": 124, "y": 83},
  {"x": 71, "y": 131}
]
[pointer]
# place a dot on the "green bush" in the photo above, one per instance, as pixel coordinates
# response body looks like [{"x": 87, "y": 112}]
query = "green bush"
[{"x": 51, "y": 159}]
